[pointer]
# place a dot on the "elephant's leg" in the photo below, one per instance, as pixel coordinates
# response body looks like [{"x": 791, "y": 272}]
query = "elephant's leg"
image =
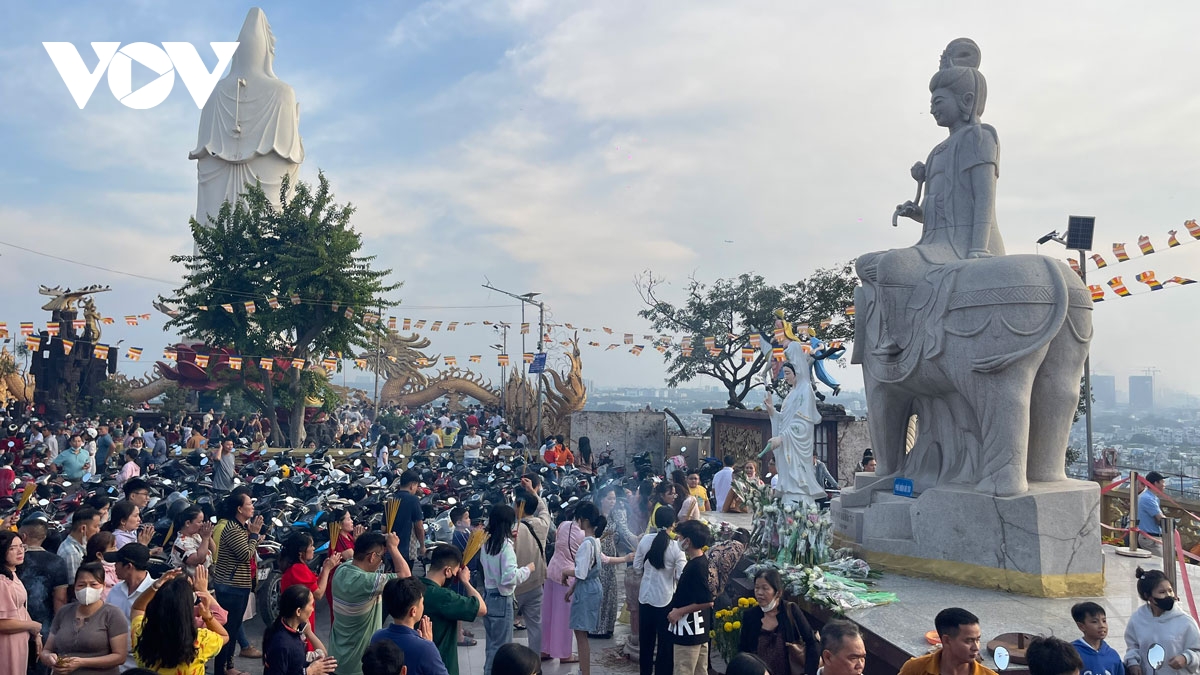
[
  {"x": 1002, "y": 406},
  {"x": 889, "y": 409},
  {"x": 1052, "y": 408}
]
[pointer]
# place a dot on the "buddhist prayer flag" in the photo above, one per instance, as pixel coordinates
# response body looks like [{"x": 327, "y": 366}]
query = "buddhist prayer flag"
[
  {"x": 502, "y": 359},
  {"x": 1119, "y": 251},
  {"x": 629, "y": 338},
  {"x": 68, "y": 345},
  {"x": 611, "y": 347},
  {"x": 422, "y": 361},
  {"x": 710, "y": 343},
  {"x": 391, "y": 324},
  {"x": 107, "y": 321},
  {"x": 33, "y": 342},
  {"x": 273, "y": 303},
  {"x": 755, "y": 341},
  {"x": 392, "y": 359},
  {"x": 593, "y": 344},
  {"x": 437, "y": 325},
  {"x": 330, "y": 364},
  {"x": 408, "y": 324},
  {"x": 168, "y": 353},
  {"x": 349, "y": 313},
  {"x": 227, "y": 308},
  {"x": 687, "y": 351},
  {"x": 202, "y": 360},
  {"x": 1182, "y": 281},
  {"x": 777, "y": 353},
  {"x": 336, "y": 306},
  {"x": 1118, "y": 287},
  {"x": 370, "y": 317},
  {"x": 3, "y": 329},
  {"x": 131, "y": 320},
  {"x": 26, "y": 328},
  {"x": 77, "y": 324},
  {"x": 747, "y": 354},
  {"x": 361, "y": 364},
  {"x": 295, "y": 299},
  {"x": 807, "y": 349},
  {"x": 1099, "y": 261},
  {"x": 469, "y": 323},
  {"x": 203, "y": 308},
  {"x": 453, "y": 325},
  {"x": 267, "y": 364},
  {"x": 1147, "y": 278},
  {"x": 528, "y": 357},
  {"x": 661, "y": 348},
  {"x": 779, "y": 334},
  {"x": 298, "y": 364},
  {"x": 101, "y": 352},
  {"x": 475, "y": 358},
  {"x": 825, "y": 323},
  {"x": 1097, "y": 292},
  {"x": 420, "y": 324},
  {"x": 250, "y": 307},
  {"x": 451, "y": 361},
  {"x": 144, "y": 317},
  {"x": 1193, "y": 229},
  {"x": 235, "y": 363},
  {"x": 1145, "y": 245},
  {"x": 134, "y": 354},
  {"x": 569, "y": 326},
  {"x": 1173, "y": 241},
  {"x": 52, "y": 329},
  {"x": 608, "y": 330},
  {"x": 525, "y": 328},
  {"x": 1074, "y": 264},
  {"x": 636, "y": 350}
]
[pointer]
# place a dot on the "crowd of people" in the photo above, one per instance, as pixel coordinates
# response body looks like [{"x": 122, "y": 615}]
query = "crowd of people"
[{"x": 90, "y": 604}]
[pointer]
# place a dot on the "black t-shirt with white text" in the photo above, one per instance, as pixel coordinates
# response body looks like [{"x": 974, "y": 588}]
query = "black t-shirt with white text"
[{"x": 692, "y": 589}]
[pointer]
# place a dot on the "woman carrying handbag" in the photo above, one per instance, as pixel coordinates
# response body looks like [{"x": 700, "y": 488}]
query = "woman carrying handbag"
[{"x": 777, "y": 631}]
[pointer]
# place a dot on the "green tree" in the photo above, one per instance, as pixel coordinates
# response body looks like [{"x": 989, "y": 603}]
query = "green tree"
[
  {"x": 729, "y": 310},
  {"x": 253, "y": 252}
]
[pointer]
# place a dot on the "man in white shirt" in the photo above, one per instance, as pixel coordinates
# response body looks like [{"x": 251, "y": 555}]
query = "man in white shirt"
[
  {"x": 721, "y": 484},
  {"x": 131, "y": 562},
  {"x": 472, "y": 446}
]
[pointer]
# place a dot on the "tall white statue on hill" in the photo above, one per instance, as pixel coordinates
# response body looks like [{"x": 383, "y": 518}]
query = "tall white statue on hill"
[{"x": 250, "y": 126}]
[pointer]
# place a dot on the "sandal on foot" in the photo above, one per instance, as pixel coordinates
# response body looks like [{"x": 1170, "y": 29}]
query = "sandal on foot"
[{"x": 468, "y": 642}]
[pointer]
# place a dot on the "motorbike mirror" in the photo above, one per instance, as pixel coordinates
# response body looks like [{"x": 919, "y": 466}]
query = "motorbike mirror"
[
  {"x": 203, "y": 461},
  {"x": 462, "y": 481},
  {"x": 341, "y": 453},
  {"x": 1001, "y": 656},
  {"x": 278, "y": 522},
  {"x": 87, "y": 477},
  {"x": 308, "y": 460},
  {"x": 423, "y": 485},
  {"x": 213, "y": 520},
  {"x": 41, "y": 465},
  {"x": 1155, "y": 656},
  {"x": 178, "y": 451},
  {"x": 358, "y": 462},
  {"x": 272, "y": 464},
  {"x": 383, "y": 482},
  {"x": 43, "y": 502},
  {"x": 564, "y": 505},
  {"x": 495, "y": 451},
  {"x": 396, "y": 453},
  {"x": 66, "y": 483},
  {"x": 544, "y": 469},
  {"x": 452, "y": 501},
  {"x": 682, "y": 449},
  {"x": 491, "y": 478},
  {"x": 449, "y": 465},
  {"x": 507, "y": 467},
  {"x": 290, "y": 500},
  {"x": 411, "y": 464},
  {"x": 166, "y": 481}
]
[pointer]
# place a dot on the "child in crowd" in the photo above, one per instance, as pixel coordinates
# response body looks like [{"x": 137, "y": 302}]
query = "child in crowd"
[
  {"x": 1098, "y": 658},
  {"x": 1051, "y": 656},
  {"x": 691, "y": 616}
]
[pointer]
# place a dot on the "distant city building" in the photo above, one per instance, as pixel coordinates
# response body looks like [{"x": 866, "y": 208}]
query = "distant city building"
[
  {"x": 1104, "y": 390},
  {"x": 1141, "y": 392}
]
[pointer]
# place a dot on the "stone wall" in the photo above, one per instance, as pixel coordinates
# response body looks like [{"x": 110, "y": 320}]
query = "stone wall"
[
  {"x": 853, "y": 438},
  {"x": 630, "y": 433}
]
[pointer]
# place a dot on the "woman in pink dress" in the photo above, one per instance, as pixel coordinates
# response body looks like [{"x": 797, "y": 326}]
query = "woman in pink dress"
[
  {"x": 16, "y": 628},
  {"x": 556, "y": 610}
]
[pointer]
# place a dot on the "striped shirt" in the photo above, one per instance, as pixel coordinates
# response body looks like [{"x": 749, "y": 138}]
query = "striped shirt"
[{"x": 232, "y": 566}]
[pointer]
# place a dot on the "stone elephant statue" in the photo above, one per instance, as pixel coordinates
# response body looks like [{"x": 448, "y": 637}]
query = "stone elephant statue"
[{"x": 991, "y": 355}]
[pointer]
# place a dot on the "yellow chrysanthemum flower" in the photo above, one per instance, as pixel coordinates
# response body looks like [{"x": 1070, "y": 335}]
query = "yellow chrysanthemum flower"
[
  {"x": 737, "y": 625},
  {"x": 728, "y": 627}
]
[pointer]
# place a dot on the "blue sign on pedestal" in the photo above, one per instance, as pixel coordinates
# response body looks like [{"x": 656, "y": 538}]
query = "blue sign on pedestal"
[
  {"x": 539, "y": 363},
  {"x": 903, "y": 487}
]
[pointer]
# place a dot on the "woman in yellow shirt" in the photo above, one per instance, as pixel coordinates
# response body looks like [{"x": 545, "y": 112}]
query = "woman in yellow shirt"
[{"x": 165, "y": 637}]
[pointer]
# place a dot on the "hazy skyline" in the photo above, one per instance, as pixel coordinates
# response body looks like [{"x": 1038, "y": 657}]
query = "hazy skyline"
[{"x": 564, "y": 147}]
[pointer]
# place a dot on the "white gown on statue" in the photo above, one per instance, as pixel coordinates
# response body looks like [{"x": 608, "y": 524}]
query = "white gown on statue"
[
  {"x": 250, "y": 126},
  {"x": 794, "y": 425}
]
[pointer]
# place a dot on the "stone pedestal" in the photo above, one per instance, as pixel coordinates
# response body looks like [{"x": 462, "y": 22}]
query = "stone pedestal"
[{"x": 1045, "y": 542}]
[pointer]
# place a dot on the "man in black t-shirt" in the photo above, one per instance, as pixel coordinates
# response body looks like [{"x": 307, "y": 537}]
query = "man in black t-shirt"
[
  {"x": 44, "y": 575},
  {"x": 409, "y": 524},
  {"x": 691, "y": 616}
]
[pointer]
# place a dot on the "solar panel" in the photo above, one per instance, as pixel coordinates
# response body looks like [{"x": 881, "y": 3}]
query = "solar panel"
[{"x": 1079, "y": 232}]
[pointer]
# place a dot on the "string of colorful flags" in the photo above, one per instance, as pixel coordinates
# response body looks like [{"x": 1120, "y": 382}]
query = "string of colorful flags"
[{"x": 1145, "y": 246}]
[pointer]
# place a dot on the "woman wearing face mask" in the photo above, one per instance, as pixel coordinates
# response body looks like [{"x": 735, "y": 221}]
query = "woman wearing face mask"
[
  {"x": 1160, "y": 621},
  {"x": 769, "y": 626},
  {"x": 87, "y": 635},
  {"x": 165, "y": 637},
  {"x": 97, "y": 545},
  {"x": 17, "y": 629}
]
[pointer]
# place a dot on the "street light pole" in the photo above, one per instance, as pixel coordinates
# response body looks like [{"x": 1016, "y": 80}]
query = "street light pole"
[
  {"x": 527, "y": 299},
  {"x": 1087, "y": 386}
]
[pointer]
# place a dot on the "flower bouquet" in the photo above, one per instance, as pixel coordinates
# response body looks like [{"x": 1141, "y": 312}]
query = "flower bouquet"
[{"x": 727, "y": 628}]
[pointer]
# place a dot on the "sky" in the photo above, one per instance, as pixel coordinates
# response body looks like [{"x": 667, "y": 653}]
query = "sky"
[{"x": 565, "y": 147}]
